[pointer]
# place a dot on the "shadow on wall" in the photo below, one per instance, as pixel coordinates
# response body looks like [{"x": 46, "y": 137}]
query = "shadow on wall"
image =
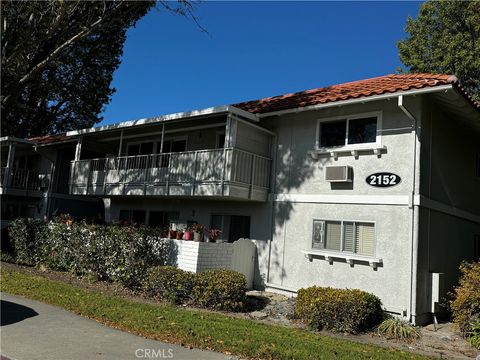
[
  {"x": 294, "y": 168},
  {"x": 168, "y": 251}
]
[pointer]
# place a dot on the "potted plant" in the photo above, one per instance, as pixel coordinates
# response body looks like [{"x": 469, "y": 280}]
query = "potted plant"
[
  {"x": 214, "y": 234},
  {"x": 164, "y": 233},
  {"x": 198, "y": 230},
  {"x": 188, "y": 235},
  {"x": 179, "y": 235}
]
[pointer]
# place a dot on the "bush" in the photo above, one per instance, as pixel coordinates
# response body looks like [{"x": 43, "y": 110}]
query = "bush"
[
  {"x": 475, "y": 335},
  {"x": 466, "y": 303},
  {"x": 220, "y": 289},
  {"x": 6, "y": 257},
  {"x": 344, "y": 310},
  {"x": 111, "y": 253},
  {"x": 27, "y": 238},
  {"x": 395, "y": 328},
  {"x": 169, "y": 283}
]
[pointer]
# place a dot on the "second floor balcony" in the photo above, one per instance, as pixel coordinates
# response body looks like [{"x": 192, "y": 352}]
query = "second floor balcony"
[
  {"x": 212, "y": 173},
  {"x": 23, "y": 182}
]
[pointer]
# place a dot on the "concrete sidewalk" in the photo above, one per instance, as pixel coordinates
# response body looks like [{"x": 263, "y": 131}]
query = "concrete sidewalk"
[{"x": 33, "y": 330}]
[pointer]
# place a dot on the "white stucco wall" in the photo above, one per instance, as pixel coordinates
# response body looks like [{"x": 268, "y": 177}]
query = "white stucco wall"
[{"x": 201, "y": 211}]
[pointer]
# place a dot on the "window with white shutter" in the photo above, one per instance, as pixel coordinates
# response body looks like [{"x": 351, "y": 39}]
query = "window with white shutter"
[{"x": 344, "y": 236}]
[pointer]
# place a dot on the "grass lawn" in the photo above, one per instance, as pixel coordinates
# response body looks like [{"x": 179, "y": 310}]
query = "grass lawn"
[{"x": 191, "y": 327}]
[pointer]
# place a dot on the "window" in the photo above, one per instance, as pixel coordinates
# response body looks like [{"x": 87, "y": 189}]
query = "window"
[
  {"x": 169, "y": 146},
  {"x": 344, "y": 236},
  {"x": 145, "y": 148},
  {"x": 347, "y": 131},
  {"x": 162, "y": 218},
  {"x": 233, "y": 227},
  {"x": 132, "y": 216},
  {"x": 175, "y": 145}
]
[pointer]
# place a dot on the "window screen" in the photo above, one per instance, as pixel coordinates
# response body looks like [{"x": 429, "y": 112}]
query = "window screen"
[
  {"x": 333, "y": 238},
  {"x": 365, "y": 239},
  {"x": 344, "y": 236}
]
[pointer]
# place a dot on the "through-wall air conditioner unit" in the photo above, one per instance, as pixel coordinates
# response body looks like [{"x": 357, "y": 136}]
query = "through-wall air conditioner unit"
[{"x": 339, "y": 173}]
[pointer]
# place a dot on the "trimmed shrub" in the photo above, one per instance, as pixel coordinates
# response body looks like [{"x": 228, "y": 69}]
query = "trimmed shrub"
[
  {"x": 169, "y": 283},
  {"x": 111, "y": 253},
  {"x": 474, "y": 335},
  {"x": 344, "y": 310},
  {"x": 27, "y": 237},
  {"x": 6, "y": 257},
  {"x": 395, "y": 328},
  {"x": 220, "y": 289},
  {"x": 466, "y": 303}
]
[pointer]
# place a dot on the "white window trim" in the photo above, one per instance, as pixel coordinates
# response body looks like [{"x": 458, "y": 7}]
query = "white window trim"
[
  {"x": 365, "y": 146},
  {"x": 344, "y": 254}
]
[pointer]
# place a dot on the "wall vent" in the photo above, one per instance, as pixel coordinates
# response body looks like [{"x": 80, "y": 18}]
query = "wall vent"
[{"x": 339, "y": 173}]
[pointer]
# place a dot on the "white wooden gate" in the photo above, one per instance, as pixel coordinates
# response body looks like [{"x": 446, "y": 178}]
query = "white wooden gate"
[{"x": 243, "y": 260}]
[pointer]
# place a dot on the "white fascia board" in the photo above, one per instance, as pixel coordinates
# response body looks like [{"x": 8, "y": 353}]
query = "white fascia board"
[
  {"x": 360, "y": 100},
  {"x": 160, "y": 119},
  {"x": 14, "y": 139},
  {"x": 243, "y": 113}
]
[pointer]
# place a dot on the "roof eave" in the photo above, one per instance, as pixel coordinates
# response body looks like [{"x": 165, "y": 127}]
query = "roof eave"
[
  {"x": 12, "y": 139},
  {"x": 362, "y": 100},
  {"x": 169, "y": 117}
]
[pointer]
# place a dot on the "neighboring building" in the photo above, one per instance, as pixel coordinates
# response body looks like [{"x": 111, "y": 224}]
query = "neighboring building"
[
  {"x": 373, "y": 184},
  {"x": 34, "y": 180}
]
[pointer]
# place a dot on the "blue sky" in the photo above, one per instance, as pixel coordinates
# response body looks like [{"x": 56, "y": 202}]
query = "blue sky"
[{"x": 253, "y": 50}]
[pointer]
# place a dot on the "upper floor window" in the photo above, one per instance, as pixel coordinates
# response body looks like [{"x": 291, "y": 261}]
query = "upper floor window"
[{"x": 348, "y": 130}]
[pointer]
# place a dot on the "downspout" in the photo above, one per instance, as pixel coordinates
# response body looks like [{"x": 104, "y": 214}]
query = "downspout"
[
  {"x": 272, "y": 202},
  {"x": 415, "y": 212}
]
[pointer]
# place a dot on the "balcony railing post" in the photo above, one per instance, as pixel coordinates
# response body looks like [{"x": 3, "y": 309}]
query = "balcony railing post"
[
  {"x": 194, "y": 175},
  {"x": 252, "y": 175}
]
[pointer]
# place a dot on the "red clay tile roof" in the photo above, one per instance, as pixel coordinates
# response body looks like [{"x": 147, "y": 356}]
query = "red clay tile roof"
[
  {"x": 351, "y": 90},
  {"x": 47, "y": 139}
]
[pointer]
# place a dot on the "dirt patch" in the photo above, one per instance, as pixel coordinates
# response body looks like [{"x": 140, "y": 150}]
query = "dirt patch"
[{"x": 276, "y": 309}]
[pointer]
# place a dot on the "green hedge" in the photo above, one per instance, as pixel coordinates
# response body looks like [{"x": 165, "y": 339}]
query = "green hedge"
[
  {"x": 170, "y": 284},
  {"x": 466, "y": 303},
  {"x": 107, "y": 252},
  {"x": 27, "y": 237},
  {"x": 220, "y": 289},
  {"x": 343, "y": 310}
]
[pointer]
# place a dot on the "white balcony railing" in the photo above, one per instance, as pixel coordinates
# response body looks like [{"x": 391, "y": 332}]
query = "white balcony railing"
[
  {"x": 184, "y": 173},
  {"x": 23, "y": 179}
]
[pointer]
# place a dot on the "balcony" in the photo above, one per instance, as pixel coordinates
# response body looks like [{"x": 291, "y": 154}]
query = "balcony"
[
  {"x": 23, "y": 182},
  {"x": 214, "y": 173}
]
